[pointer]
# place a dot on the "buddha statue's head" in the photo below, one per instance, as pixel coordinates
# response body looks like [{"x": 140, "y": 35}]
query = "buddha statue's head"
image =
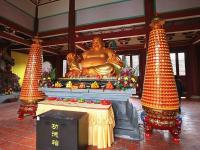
[{"x": 97, "y": 43}]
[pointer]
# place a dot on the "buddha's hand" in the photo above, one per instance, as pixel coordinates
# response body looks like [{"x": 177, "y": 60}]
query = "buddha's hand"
[
  {"x": 73, "y": 73},
  {"x": 85, "y": 72},
  {"x": 115, "y": 60},
  {"x": 70, "y": 58}
]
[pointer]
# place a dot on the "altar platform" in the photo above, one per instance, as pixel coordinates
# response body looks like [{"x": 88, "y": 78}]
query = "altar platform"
[
  {"x": 14, "y": 95},
  {"x": 126, "y": 116}
]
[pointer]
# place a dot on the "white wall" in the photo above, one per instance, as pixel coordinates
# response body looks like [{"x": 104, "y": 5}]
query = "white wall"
[
  {"x": 116, "y": 10},
  {"x": 54, "y": 8},
  {"x": 175, "y": 5},
  {"x": 62, "y": 6},
  {"x": 15, "y": 15},
  {"x": 80, "y": 4},
  {"x": 24, "y": 5},
  {"x": 54, "y": 22}
]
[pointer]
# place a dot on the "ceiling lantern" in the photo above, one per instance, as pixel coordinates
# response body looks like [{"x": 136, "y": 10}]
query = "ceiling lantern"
[
  {"x": 30, "y": 95},
  {"x": 160, "y": 98}
]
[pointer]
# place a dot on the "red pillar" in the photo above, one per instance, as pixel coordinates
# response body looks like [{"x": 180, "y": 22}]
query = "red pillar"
[
  {"x": 71, "y": 26},
  {"x": 193, "y": 75},
  {"x": 149, "y": 6},
  {"x": 36, "y": 21}
]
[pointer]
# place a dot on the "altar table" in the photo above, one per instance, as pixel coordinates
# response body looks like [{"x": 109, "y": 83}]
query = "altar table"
[
  {"x": 101, "y": 119},
  {"x": 126, "y": 116}
]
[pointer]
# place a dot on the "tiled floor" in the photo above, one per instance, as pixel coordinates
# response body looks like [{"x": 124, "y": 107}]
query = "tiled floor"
[{"x": 20, "y": 135}]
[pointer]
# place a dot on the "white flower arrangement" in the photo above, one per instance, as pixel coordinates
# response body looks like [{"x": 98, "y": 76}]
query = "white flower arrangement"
[{"x": 46, "y": 67}]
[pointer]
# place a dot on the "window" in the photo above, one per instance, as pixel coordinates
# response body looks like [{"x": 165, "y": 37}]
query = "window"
[
  {"x": 121, "y": 56},
  {"x": 135, "y": 64},
  {"x": 128, "y": 61},
  {"x": 181, "y": 64},
  {"x": 178, "y": 63},
  {"x": 64, "y": 67},
  {"x": 173, "y": 61},
  {"x": 131, "y": 61}
]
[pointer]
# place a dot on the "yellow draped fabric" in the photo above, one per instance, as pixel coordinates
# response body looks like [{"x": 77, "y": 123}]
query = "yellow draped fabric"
[{"x": 101, "y": 123}]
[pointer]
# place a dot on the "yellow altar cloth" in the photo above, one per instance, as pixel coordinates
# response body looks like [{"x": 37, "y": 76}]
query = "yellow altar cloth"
[{"x": 101, "y": 119}]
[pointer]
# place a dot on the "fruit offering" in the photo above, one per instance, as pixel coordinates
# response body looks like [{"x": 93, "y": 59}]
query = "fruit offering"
[
  {"x": 69, "y": 84},
  {"x": 59, "y": 99},
  {"x": 94, "y": 85},
  {"x": 81, "y": 85},
  {"x": 51, "y": 98},
  {"x": 105, "y": 102},
  {"x": 81, "y": 100},
  {"x": 109, "y": 85},
  {"x": 58, "y": 84},
  {"x": 65, "y": 99},
  {"x": 97, "y": 102},
  {"x": 73, "y": 100},
  {"x": 89, "y": 101},
  {"x": 8, "y": 91}
]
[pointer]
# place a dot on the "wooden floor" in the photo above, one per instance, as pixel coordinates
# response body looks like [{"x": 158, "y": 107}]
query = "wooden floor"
[{"x": 20, "y": 135}]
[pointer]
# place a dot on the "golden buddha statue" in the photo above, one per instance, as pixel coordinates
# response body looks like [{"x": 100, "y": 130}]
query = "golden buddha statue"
[{"x": 98, "y": 60}]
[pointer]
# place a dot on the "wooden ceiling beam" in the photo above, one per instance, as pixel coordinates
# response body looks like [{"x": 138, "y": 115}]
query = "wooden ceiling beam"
[
  {"x": 120, "y": 34},
  {"x": 180, "y": 14},
  {"x": 182, "y": 27},
  {"x": 50, "y": 51},
  {"x": 139, "y": 20},
  {"x": 130, "y": 47},
  {"x": 14, "y": 38},
  {"x": 50, "y": 1},
  {"x": 52, "y": 33},
  {"x": 54, "y": 41},
  {"x": 178, "y": 43},
  {"x": 113, "y": 35},
  {"x": 16, "y": 27},
  {"x": 44, "y": 49},
  {"x": 24, "y": 42},
  {"x": 81, "y": 47},
  {"x": 196, "y": 40}
]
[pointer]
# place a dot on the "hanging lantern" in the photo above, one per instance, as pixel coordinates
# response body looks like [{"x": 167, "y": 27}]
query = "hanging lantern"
[
  {"x": 160, "y": 98},
  {"x": 30, "y": 95}
]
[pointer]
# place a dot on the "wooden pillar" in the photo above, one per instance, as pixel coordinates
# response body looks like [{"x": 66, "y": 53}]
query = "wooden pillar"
[
  {"x": 193, "y": 72},
  {"x": 131, "y": 61},
  {"x": 150, "y": 10},
  {"x": 71, "y": 26},
  {"x": 198, "y": 68},
  {"x": 58, "y": 66},
  {"x": 36, "y": 21}
]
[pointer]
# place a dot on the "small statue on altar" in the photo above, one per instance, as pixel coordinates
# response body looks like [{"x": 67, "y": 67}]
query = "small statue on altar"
[{"x": 98, "y": 61}]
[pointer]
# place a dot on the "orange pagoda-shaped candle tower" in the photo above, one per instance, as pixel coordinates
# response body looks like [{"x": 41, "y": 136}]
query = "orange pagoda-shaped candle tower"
[
  {"x": 160, "y": 98},
  {"x": 30, "y": 95}
]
